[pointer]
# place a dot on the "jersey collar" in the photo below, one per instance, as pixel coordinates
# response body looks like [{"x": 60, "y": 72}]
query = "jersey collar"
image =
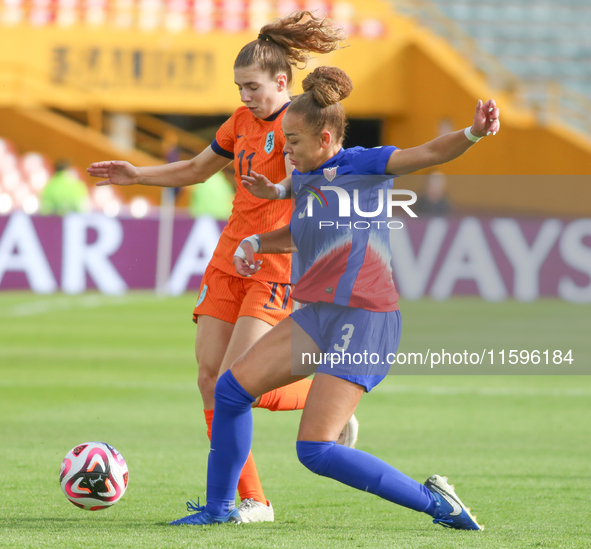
[
  {"x": 329, "y": 163},
  {"x": 275, "y": 115}
]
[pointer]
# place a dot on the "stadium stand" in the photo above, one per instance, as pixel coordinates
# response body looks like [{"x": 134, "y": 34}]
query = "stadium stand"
[
  {"x": 66, "y": 65},
  {"x": 537, "y": 40},
  {"x": 23, "y": 177},
  {"x": 201, "y": 16},
  {"x": 545, "y": 44}
]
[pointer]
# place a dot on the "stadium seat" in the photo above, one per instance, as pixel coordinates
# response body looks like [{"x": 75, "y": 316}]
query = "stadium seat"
[
  {"x": 22, "y": 179},
  {"x": 36, "y": 170},
  {"x": 174, "y": 16},
  {"x": 521, "y": 32}
]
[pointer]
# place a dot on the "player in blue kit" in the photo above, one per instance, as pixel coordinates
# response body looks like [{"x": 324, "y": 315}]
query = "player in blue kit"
[{"x": 343, "y": 274}]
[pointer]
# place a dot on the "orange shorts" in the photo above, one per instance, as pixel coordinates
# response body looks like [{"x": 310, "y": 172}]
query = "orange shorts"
[{"x": 229, "y": 297}]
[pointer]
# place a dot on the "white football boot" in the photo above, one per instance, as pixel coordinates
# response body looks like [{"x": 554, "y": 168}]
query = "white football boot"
[
  {"x": 255, "y": 511},
  {"x": 350, "y": 433}
]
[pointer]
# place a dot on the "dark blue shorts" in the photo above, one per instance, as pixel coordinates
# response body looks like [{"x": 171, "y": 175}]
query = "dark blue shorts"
[{"x": 355, "y": 344}]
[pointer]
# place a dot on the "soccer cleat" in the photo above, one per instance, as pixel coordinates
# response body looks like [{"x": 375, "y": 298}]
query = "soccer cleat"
[
  {"x": 450, "y": 511},
  {"x": 254, "y": 511},
  {"x": 203, "y": 517},
  {"x": 350, "y": 433}
]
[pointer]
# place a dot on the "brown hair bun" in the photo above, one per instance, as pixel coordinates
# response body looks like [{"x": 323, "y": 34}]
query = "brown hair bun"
[{"x": 328, "y": 85}]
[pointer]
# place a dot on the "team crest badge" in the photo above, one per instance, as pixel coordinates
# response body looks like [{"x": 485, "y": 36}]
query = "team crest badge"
[
  {"x": 330, "y": 173},
  {"x": 270, "y": 142},
  {"x": 201, "y": 296}
]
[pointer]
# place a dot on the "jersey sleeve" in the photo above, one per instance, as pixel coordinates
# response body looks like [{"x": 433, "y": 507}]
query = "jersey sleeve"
[
  {"x": 223, "y": 144},
  {"x": 371, "y": 161}
]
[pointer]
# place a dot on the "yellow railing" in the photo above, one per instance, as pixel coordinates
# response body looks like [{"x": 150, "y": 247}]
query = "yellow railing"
[
  {"x": 25, "y": 86},
  {"x": 153, "y": 134}
]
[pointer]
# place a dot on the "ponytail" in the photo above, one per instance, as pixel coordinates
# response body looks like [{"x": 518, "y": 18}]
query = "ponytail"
[{"x": 288, "y": 42}]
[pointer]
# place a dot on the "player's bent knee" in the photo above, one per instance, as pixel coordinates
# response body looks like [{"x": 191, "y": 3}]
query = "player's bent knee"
[
  {"x": 314, "y": 455},
  {"x": 229, "y": 393}
]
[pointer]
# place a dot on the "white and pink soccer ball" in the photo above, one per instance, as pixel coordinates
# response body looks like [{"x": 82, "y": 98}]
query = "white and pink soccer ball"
[{"x": 94, "y": 476}]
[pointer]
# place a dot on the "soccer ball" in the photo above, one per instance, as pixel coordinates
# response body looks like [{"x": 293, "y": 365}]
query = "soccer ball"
[{"x": 94, "y": 476}]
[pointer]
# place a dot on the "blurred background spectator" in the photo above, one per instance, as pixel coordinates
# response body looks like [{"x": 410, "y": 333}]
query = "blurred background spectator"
[
  {"x": 214, "y": 197},
  {"x": 64, "y": 192},
  {"x": 433, "y": 201}
]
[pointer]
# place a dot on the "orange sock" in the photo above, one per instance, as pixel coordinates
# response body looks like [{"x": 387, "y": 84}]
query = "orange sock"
[
  {"x": 249, "y": 485},
  {"x": 208, "y": 420},
  {"x": 290, "y": 397}
]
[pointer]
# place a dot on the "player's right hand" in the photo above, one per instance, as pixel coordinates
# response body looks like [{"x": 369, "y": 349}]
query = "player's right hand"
[
  {"x": 258, "y": 185},
  {"x": 114, "y": 172},
  {"x": 243, "y": 260},
  {"x": 486, "y": 119}
]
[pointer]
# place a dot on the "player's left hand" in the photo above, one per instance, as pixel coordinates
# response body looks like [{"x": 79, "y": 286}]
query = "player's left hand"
[
  {"x": 486, "y": 119},
  {"x": 258, "y": 185},
  {"x": 243, "y": 260}
]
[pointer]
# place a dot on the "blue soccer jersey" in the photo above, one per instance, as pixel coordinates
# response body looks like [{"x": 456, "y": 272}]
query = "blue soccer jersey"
[{"x": 342, "y": 233}]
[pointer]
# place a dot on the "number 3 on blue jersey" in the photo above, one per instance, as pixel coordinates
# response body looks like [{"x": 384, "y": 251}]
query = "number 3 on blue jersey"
[{"x": 346, "y": 338}]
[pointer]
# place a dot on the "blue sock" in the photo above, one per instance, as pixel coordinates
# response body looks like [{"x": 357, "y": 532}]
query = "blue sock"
[
  {"x": 231, "y": 438},
  {"x": 365, "y": 472}
]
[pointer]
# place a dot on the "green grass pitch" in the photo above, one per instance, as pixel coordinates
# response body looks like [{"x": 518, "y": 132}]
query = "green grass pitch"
[{"x": 90, "y": 367}]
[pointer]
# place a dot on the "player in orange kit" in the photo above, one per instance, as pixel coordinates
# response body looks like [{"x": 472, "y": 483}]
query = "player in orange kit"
[{"x": 233, "y": 312}]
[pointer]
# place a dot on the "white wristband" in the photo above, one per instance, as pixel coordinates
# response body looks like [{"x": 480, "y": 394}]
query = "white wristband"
[
  {"x": 240, "y": 253},
  {"x": 469, "y": 135},
  {"x": 256, "y": 246},
  {"x": 255, "y": 241},
  {"x": 282, "y": 191}
]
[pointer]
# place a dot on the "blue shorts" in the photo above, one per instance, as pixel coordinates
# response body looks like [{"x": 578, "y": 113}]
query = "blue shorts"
[{"x": 355, "y": 344}]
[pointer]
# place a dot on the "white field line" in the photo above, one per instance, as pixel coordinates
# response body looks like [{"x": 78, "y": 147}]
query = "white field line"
[
  {"x": 484, "y": 391},
  {"x": 102, "y": 384},
  {"x": 168, "y": 355},
  {"x": 391, "y": 389},
  {"x": 67, "y": 303}
]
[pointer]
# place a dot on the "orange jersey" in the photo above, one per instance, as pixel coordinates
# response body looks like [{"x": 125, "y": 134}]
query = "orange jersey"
[{"x": 254, "y": 145}]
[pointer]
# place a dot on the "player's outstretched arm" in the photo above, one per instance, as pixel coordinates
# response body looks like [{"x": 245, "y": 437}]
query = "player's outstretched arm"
[
  {"x": 258, "y": 185},
  {"x": 448, "y": 146},
  {"x": 176, "y": 174},
  {"x": 274, "y": 242}
]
